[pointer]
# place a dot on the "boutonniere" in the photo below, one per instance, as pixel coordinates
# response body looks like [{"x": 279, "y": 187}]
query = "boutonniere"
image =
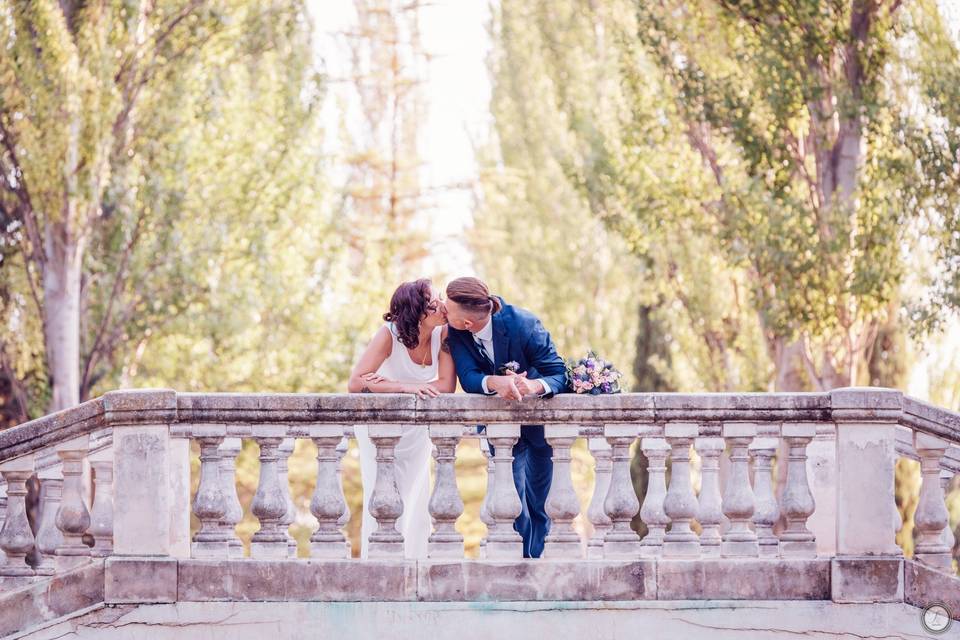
[{"x": 509, "y": 366}]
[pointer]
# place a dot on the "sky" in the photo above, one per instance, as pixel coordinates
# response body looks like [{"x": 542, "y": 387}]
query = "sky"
[{"x": 457, "y": 92}]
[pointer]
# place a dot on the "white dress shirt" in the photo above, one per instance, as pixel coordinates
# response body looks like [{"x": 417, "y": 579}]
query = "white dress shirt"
[{"x": 485, "y": 336}]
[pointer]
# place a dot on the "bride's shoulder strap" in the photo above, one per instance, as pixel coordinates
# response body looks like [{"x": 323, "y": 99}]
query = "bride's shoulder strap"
[
  {"x": 392, "y": 332},
  {"x": 436, "y": 339}
]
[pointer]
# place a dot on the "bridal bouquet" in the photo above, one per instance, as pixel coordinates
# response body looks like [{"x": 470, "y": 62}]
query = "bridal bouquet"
[{"x": 593, "y": 375}]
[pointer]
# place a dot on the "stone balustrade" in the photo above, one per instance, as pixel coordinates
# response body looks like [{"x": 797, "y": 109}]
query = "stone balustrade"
[{"x": 114, "y": 484}]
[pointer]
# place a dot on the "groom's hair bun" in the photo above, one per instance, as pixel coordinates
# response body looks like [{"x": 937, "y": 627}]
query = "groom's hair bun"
[{"x": 473, "y": 294}]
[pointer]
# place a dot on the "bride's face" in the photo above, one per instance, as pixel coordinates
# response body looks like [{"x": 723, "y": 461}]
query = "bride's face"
[{"x": 435, "y": 314}]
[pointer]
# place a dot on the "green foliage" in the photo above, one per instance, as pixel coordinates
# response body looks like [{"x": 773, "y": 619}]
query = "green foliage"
[
  {"x": 591, "y": 202},
  {"x": 771, "y": 166}
]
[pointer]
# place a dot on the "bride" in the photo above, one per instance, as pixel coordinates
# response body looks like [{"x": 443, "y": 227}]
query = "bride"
[{"x": 408, "y": 354}]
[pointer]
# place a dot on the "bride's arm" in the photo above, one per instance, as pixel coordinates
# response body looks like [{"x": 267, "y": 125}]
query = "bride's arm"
[
  {"x": 373, "y": 356},
  {"x": 447, "y": 371}
]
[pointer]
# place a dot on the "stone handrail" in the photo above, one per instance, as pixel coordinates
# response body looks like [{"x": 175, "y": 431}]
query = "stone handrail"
[
  {"x": 832, "y": 499},
  {"x": 169, "y": 407}
]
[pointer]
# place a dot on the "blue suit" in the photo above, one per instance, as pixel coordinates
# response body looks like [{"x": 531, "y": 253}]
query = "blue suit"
[{"x": 520, "y": 337}]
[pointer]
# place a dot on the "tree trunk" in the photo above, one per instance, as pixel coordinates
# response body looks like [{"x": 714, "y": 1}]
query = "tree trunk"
[
  {"x": 650, "y": 343},
  {"x": 61, "y": 295},
  {"x": 788, "y": 366}
]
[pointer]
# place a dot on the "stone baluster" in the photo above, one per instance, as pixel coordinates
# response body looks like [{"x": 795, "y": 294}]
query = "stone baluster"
[
  {"x": 562, "y": 505},
  {"x": 327, "y": 504},
  {"x": 681, "y": 502},
  {"x": 3, "y": 513},
  {"x": 233, "y": 511},
  {"x": 209, "y": 505},
  {"x": 797, "y": 503},
  {"x": 73, "y": 517},
  {"x": 652, "y": 512},
  {"x": 101, "y": 512},
  {"x": 342, "y": 450},
  {"x": 739, "y": 540},
  {"x": 709, "y": 509},
  {"x": 602, "y": 458},
  {"x": 269, "y": 502},
  {"x": 931, "y": 517},
  {"x": 485, "y": 516},
  {"x": 504, "y": 505},
  {"x": 621, "y": 503},
  {"x": 48, "y": 536},
  {"x": 767, "y": 511},
  {"x": 283, "y": 465},
  {"x": 949, "y": 538},
  {"x": 16, "y": 538},
  {"x": 445, "y": 503},
  {"x": 386, "y": 505}
]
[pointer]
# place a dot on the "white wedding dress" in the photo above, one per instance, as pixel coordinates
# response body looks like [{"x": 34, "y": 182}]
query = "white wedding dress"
[{"x": 413, "y": 453}]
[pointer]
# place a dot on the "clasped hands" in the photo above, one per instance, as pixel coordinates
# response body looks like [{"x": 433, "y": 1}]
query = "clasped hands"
[{"x": 514, "y": 386}]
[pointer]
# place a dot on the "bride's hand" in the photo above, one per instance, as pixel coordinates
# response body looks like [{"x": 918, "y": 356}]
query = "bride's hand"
[
  {"x": 373, "y": 377},
  {"x": 422, "y": 389}
]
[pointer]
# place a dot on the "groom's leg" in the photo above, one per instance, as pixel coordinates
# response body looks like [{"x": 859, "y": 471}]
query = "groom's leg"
[
  {"x": 522, "y": 524},
  {"x": 537, "y": 475}
]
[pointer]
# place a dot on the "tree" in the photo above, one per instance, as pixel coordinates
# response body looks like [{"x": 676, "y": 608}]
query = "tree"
[
  {"x": 802, "y": 116},
  {"x": 102, "y": 111},
  {"x": 580, "y": 149},
  {"x": 801, "y": 148}
]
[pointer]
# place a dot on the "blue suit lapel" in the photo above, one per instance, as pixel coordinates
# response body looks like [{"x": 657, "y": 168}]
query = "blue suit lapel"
[
  {"x": 485, "y": 365},
  {"x": 501, "y": 341}
]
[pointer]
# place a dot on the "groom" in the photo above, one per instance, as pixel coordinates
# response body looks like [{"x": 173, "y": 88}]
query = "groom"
[{"x": 485, "y": 334}]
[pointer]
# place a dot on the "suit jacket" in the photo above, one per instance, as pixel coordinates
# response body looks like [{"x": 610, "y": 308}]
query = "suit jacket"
[{"x": 518, "y": 336}]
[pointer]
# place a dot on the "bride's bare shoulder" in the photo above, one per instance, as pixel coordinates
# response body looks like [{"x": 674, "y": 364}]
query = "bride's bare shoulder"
[{"x": 382, "y": 339}]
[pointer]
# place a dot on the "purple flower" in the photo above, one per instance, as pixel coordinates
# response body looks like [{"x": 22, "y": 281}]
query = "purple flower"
[{"x": 592, "y": 375}]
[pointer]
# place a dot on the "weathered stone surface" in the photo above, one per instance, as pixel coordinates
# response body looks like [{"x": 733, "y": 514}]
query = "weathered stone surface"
[
  {"x": 716, "y": 620},
  {"x": 867, "y": 516},
  {"x": 733, "y": 407},
  {"x": 275, "y": 580},
  {"x": 536, "y": 581},
  {"x": 142, "y": 499},
  {"x": 164, "y": 406},
  {"x": 923, "y": 585},
  {"x": 336, "y": 408},
  {"x": 822, "y": 479},
  {"x": 52, "y": 598},
  {"x": 50, "y": 429},
  {"x": 179, "y": 483},
  {"x": 866, "y": 404},
  {"x": 140, "y": 406},
  {"x": 866, "y": 579},
  {"x": 932, "y": 419},
  {"x": 140, "y": 580},
  {"x": 743, "y": 579},
  {"x": 561, "y": 409}
]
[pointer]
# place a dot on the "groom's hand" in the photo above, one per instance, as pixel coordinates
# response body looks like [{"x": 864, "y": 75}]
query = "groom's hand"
[
  {"x": 505, "y": 387},
  {"x": 526, "y": 386}
]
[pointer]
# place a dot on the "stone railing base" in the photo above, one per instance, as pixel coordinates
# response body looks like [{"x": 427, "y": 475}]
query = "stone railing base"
[{"x": 121, "y": 581}]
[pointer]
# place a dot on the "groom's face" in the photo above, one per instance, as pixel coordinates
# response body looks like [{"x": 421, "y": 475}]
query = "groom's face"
[{"x": 462, "y": 319}]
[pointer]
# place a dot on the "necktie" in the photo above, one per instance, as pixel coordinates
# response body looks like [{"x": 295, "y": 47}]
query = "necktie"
[{"x": 483, "y": 351}]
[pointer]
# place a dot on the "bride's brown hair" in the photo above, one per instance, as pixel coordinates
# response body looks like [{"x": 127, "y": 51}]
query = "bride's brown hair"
[
  {"x": 407, "y": 307},
  {"x": 473, "y": 294}
]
